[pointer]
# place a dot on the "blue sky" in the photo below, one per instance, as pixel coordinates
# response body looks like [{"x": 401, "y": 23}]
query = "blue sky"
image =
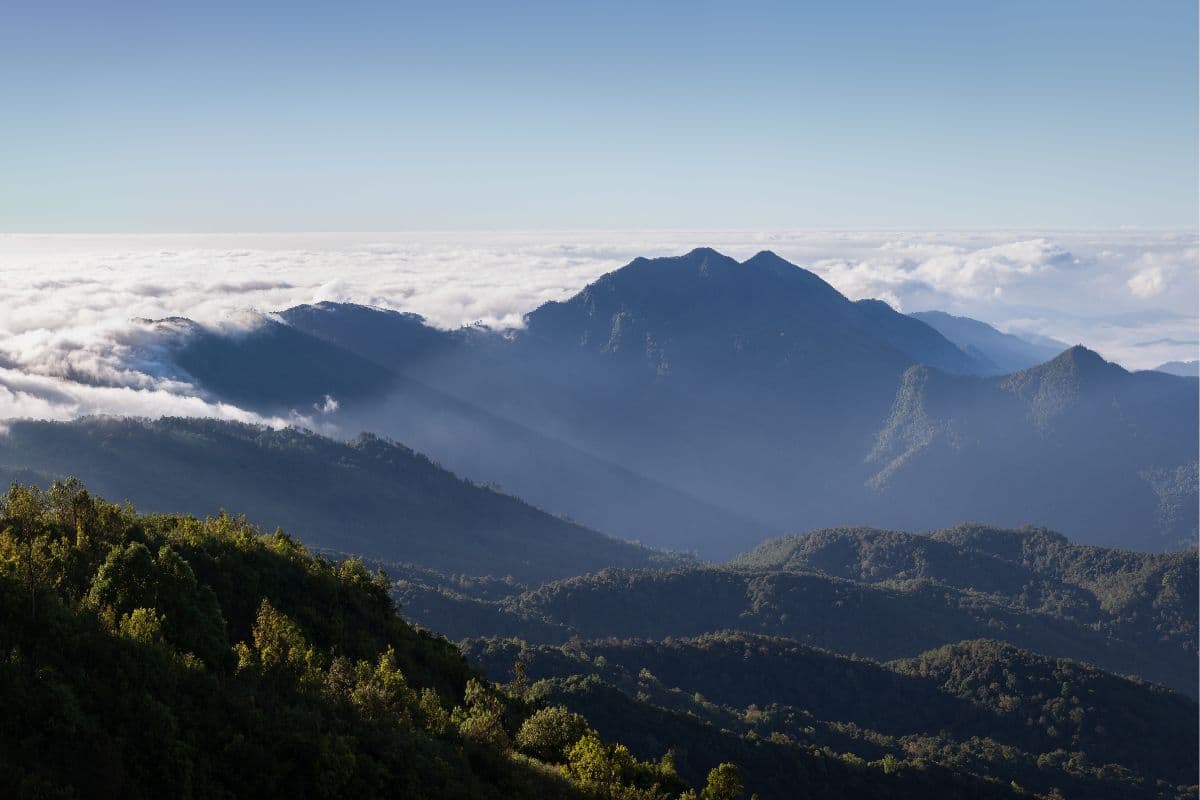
[{"x": 444, "y": 115}]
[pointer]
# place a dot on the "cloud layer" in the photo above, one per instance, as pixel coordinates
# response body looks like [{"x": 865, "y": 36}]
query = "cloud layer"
[{"x": 73, "y": 339}]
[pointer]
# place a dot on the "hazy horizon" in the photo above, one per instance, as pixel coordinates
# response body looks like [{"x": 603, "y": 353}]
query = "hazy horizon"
[{"x": 72, "y": 343}]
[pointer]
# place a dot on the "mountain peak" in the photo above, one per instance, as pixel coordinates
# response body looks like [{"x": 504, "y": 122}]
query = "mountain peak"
[
  {"x": 1054, "y": 387},
  {"x": 1084, "y": 361},
  {"x": 701, "y": 285},
  {"x": 773, "y": 262},
  {"x": 704, "y": 307},
  {"x": 1071, "y": 366},
  {"x": 765, "y": 256}
]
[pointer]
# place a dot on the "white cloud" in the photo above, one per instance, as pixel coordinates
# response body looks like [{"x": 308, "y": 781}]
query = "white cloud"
[
  {"x": 1149, "y": 282},
  {"x": 23, "y": 395},
  {"x": 1158, "y": 272},
  {"x": 71, "y": 342}
]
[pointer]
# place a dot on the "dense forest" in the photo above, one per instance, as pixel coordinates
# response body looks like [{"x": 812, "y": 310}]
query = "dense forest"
[
  {"x": 153, "y": 655},
  {"x": 167, "y": 656},
  {"x": 774, "y": 707},
  {"x": 879, "y": 594},
  {"x": 963, "y": 650}
]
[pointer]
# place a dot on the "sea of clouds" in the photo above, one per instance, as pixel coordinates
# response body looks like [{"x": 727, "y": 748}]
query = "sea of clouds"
[{"x": 74, "y": 339}]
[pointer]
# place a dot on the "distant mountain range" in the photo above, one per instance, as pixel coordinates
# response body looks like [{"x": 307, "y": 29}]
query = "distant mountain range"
[
  {"x": 1076, "y": 439},
  {"x": 999, "y": 352},
  {"x": 699, "y": 403},
  {"x": 1187, "y": 369}
]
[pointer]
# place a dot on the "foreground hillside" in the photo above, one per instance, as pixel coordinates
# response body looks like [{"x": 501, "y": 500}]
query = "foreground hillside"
[
  {"x": 978, "y": 707},
  {"x": 162, "y": 656},
  {"x": 881, "y": 594},
  {"x": 367, "y": 496},
  {"x": 149, "y": 656}
]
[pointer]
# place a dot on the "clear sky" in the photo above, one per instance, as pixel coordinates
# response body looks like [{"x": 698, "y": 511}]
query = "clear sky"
[{"x": 213, "y": 116}]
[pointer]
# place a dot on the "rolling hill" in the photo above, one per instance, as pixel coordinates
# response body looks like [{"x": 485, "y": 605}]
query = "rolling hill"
[
  {"x": 880, "y": 594},
  {"x": 978, "y": 707}
]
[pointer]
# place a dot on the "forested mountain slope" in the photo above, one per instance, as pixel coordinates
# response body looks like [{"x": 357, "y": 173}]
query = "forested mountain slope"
[
  {"x": 1148, "y": 599},
  {"x": 978, "y": 707},
  {"x": 162, "y": 656},
  {"x": 1077, "y": 443},
  {"x": 367, "y": 496},
  {"x": 874, "y": 593},
  {"x": 150, "y": 656}
]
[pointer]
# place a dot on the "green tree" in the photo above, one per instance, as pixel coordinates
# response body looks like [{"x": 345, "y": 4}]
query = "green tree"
[
  {"x": 520, "y": 681},
  {"x": 24, "y": 510},
  {"x": 724, "y": 783},
  {"x": 280, "y": 650},
  {"x": 126, "y": 580},
  {"x": 596, "y": 766},
  {"x": 381, "y": 693},
  {"x": 72, "y": 506},
  {"x": 483, "y": 720},
  {"x": 550, "y": 733}
]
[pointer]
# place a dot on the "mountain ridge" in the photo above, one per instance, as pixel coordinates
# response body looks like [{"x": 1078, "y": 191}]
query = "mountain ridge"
[
  {"x": 1005, "y": 352},
  {"x": 698, "y": 402},
  {"x": 370, "y": 495}
]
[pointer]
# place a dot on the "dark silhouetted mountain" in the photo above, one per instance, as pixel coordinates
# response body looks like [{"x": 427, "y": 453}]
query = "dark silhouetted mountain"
[
  {"x": 371, "y": 361},
  {"x": 1076, "y": 443},
  {"x": 368, "y": 496},
  {"x": 1000, "y": 352},
  {"x": 752, "y": 385},
  {"x": 700, "y": 403},
  {"x": 277, "y": 367},
  {"x": 704, "y": 313},
  {"x": 393, "y": 339},
  {"x": 1184, "y": 369}
]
